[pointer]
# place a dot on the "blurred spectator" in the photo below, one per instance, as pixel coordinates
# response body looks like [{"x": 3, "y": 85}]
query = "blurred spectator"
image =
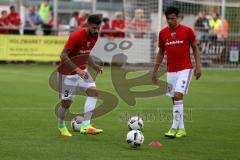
[
  {"x": 45, "y": 10},
  {"x": 217, "y": 26},
  {"x": 51, "y": 23},
  {"x": 201, "y": 26},
  {"x": 118, "y": 25},
  {"x": 14, "y": 21},
  {"x": 73, "y": 21},
  {"x": 32, "y": 20},
  {"x": 220, "y": 26},
  {"x": 140, "y": 24},
  {"x": 48, "y": 26},
  {"x": 106, "y": 28},
  {"x": 82, "y": 19},
  {"x": 45, "y": 13},
  {"x": 4, "y": 23},
  {"x": 214, "y": 24}
]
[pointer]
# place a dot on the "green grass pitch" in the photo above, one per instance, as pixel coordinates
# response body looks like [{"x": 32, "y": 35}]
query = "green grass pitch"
[{"x": 28, "y": 126}]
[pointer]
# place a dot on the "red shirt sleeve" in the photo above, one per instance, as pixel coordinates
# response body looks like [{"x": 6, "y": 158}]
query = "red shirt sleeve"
[
  {"x": 160, "y": 41},
  {"x": 72, "y": 42},
  {"x": 191, "y": 35},
  {"x": 113, "y": 24}
]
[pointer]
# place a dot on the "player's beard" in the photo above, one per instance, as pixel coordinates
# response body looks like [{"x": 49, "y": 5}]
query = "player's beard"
[
  {"x": 173, "y": 25},
  {"x": 95, "y": 34},
  {"x": 170, "y": 25}
]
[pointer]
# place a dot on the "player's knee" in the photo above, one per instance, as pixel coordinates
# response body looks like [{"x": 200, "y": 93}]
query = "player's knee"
[
  {"x": 66, "y": 103},
  {"x": 178, "y": 96},
  {"x": 92, "y": 92}
]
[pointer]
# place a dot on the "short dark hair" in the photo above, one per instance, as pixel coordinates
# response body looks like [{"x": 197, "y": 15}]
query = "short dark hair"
[
  {"x": 95, "y": 19},
  {"x": 105, "y": 19},
  {"x": 12, "y": 8},
  {"x": 172, "y": 10},
  {"x": 75, "y": 14}
]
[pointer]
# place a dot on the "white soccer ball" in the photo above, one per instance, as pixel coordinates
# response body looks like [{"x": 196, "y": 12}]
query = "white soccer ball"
[
  {"x": 76, "y": 123},
  {"x": 135, "y": 123},
  {"x": 135, "y": 138}
]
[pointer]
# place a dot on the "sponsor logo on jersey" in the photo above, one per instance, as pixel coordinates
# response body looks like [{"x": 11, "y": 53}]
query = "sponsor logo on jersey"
[
  {"x": 174, "y": 42},
  {"x": 84, "y": 51}
]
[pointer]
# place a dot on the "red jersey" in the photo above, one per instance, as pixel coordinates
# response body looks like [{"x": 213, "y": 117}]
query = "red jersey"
[
  {"x": 14, "y": 19},
  {"x": 106, "y": 30},
  {"x": 79, "y": 46},
  {"x": 177, "y": 47},
  {"x": 4, "y": 23},
  {"x": 118, "y": 24}
]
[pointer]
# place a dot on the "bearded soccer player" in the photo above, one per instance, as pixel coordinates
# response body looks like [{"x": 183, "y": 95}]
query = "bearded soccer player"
[
  {"x": 175, "y": 41},
  {"x": 73, "y": 75}
]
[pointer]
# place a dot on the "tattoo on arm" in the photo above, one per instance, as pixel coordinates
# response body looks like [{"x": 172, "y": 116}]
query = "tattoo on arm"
[{"x": 67, "y": 60}]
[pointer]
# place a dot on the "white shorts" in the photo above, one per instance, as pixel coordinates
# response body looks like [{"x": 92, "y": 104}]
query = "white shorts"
[
  {"x": 178, "y": 81},
  {"x": 71, "y": 85}
]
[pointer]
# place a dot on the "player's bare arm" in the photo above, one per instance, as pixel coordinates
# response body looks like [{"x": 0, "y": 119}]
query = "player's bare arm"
[
  {"x": 196, "y": 54},
  {"x": 68, "y": 61},
  {"x": 158, "y": 61},
  {"x": 95, "y": 66}
]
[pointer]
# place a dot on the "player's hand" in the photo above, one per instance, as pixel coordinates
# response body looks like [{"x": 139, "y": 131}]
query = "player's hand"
[
  {"x": 197, "y": 72},
  {"x": 154, "y": 78},
  {"x": 81, "y": 73},
  {"x": 98, "y": 69}
]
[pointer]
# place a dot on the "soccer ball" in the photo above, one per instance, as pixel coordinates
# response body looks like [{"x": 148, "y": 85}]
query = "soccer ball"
[
  {"x": 135, "y": 138},
  {"x": 135, "y": 123},
  {"x": 76, "y": 123}
]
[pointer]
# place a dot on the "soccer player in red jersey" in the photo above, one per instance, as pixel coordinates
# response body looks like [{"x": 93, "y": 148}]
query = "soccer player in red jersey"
[
  {"x": 73, "y": 74},
  {"x": 175, "y": 41}
]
